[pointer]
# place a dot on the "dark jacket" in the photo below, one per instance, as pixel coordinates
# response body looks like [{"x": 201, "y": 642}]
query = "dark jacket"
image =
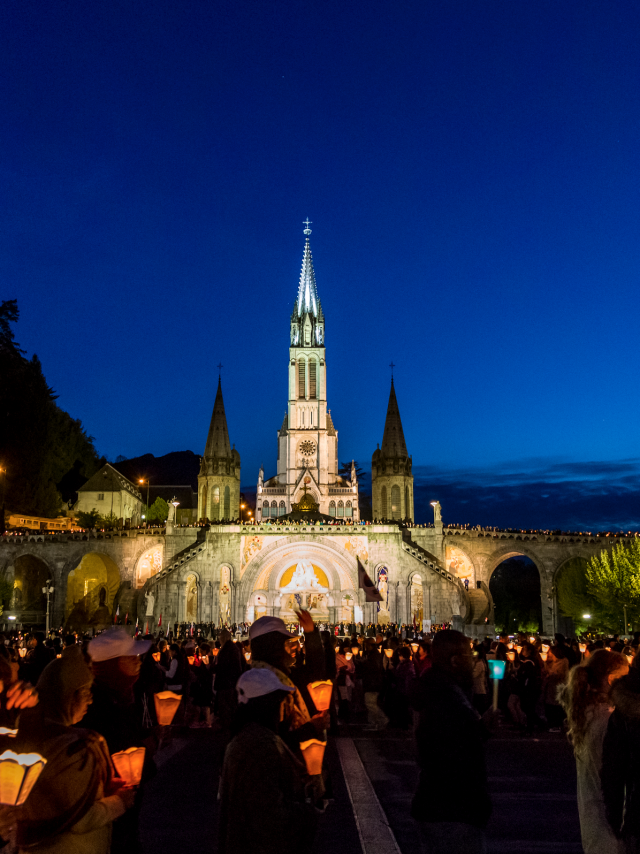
[
  {"x": 620, "y": 773},
  {"x": 450, "y": 738},
  {"x": 262, "y": 802}
]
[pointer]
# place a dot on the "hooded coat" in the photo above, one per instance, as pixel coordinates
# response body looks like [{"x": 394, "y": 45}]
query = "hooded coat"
[
  {"x": 70, "y": 809},
  {"x": 620, "y": 775}
]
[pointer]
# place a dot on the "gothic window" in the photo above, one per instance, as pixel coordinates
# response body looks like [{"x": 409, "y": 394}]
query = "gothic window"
[
  {"x": 395, "y": 502},
  {"x": 348, "y": 509},
  {"x": 227, "y": 503},
  {"x": 407, "y": 505},
  {"x": 311, "y": 418},
  {"x": 265, "y": 510},
  {"x": 384, "y": 510},
  {"x": 302, "y": 386},
  {"x": 332, "y": 508},
  {"x": 274, "y": 508},
  {"x": 340, "y": 508},
  {"x": 282, "y": 509},
  {"x": 312, "y": 380},
  {"x": 215, "y": 503}
]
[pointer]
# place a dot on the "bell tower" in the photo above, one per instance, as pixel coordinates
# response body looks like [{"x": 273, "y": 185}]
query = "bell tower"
[{"x": 391, "y": 477}]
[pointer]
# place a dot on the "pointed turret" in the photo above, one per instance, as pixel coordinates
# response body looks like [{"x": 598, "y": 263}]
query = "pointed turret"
[
  {"x": 391, "y": 477},
  {"x": 393, "y": 444},
  {"x": 219, "y": 477},
  {"x": 218, "y": 444}
]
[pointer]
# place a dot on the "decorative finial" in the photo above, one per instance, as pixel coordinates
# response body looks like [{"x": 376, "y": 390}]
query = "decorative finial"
[
  {"x": 392, "y": 366},
  {"x": 219, "y": 366},
  {"x": 307, "y": 222}
]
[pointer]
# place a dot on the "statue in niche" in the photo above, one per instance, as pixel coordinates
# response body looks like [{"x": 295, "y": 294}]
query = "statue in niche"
[
  {"x": 437, "y": 512},
  {"x": 150, "y": 599},
  {"x": 303, "y": 578},
  {"x": 102, "y": 615},
  {"x": 192, "y": 600}
]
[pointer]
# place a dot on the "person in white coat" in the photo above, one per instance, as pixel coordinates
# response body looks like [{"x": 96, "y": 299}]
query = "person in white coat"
[{"x": 586, "y": 698}]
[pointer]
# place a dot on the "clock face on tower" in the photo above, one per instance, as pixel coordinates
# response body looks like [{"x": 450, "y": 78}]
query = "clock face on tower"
[{"x": 307, "y": 448}]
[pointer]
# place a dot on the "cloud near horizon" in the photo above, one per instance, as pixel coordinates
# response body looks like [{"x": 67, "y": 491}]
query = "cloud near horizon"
[{"x": 535, "y": 493}]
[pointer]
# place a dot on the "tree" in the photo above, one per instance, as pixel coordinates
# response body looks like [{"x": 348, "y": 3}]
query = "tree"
[
  {"x": 613, "y": 579},
  {"x": 40, "y": 442},
  {"x": 89, "y": 519},
  {"x": 158, "y": 512},
  {"x": 109, "y": 521}
]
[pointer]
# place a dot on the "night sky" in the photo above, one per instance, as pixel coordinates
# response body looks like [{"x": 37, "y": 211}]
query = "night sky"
[{"x": 471, "y": 171}]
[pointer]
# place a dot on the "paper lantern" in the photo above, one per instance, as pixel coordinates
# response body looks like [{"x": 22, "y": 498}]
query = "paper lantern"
[
  {"x": 205, "y": 659},
  {"x": 18, "y": 774},
  {"x": 348, "y": 656},
  {"x": 414, "y": 647},
  {"x": 355, "y": 650},
  {"x": 388, "y": 653},
  {"x": 166, "y": 703},
  {"x": 247, "y": 655},
  {"x": 215, "y": 651},
  {"x": 546, "y": 647},
  {"x": 544, "y": 655},
  {"x": 313, "y": 752},
  {"x": 321, "y": 694},
  {"x": 191, "y": 659},
  {"x": 583, "y": 648},
  {"x": 518, "y": 649},
  {"x": 22, "y": 651},
  {"x": 156, "y": 656},
  {"x": 129, "y": 764}
]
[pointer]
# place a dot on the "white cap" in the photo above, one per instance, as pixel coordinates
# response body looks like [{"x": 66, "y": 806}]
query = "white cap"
[
  {"x": 265, "y": 625},
  {"x": 257, "y": 683},
  {"x": 115, "y": 643}
]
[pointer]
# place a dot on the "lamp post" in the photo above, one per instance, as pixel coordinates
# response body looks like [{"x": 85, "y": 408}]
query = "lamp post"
[
  {"x": 142, "y": 481},
  {"x": 241, "y": 509},
  {"x": 48, "y": 591},
  {"x": 175, "y": 503}
]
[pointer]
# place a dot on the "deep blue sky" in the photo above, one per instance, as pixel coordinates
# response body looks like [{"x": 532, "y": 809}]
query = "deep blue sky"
[{"x": 471, "y": 171}]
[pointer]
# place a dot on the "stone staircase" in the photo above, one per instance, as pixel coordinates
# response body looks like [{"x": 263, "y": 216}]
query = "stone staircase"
[{"x": 481, "y": 606}]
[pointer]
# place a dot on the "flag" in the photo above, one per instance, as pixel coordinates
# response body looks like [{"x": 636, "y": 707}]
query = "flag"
[
  {"x": 160, "y": 620},
  {"x": 191, "y": 628},
  {"x": 137, "y": 629},
  {"x": 126, "y": 619},
  {"x": 146, "y": 628},
  {"x": 116, "y": 615},
  {"x": 371, "y": 592}
]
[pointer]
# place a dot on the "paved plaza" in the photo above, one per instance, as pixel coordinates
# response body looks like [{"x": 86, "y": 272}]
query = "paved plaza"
[{"x": 373, "y": 776}]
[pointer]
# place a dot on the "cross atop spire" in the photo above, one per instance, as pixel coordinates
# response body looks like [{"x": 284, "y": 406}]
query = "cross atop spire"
[
  {"x": 307, "y": 320},
  {"x": 392, "y": 366},
  {"x": 307, "y": 223},
  {"x": 219, "y": 366}
]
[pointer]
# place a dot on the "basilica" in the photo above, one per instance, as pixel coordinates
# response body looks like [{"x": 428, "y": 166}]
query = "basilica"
[{"x": 307, "y": 540}]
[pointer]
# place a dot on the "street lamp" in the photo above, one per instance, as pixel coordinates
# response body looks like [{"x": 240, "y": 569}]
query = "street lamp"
[
  {"x": 48, "y": 591},
  {"x": 175, "y": 503},
  {"x": 586, "y": 616},
  {"x": 142, "y": 481},
  {"x": 242, "y": 506}
]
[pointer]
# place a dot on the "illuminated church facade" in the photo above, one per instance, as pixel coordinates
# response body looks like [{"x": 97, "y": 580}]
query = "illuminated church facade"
[{"x": 307, "y": 539}]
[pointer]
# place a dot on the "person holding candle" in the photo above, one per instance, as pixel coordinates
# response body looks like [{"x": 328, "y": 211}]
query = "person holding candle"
[
  {"x": 587, "y": 700},
  {"x": 262, "y": 796},
  {"x": 451, "y": 736},
  {"x": 74, "y": 801}
]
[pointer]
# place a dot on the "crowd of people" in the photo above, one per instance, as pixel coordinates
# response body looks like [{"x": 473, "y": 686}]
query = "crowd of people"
[{"x": 78, "y": 700}]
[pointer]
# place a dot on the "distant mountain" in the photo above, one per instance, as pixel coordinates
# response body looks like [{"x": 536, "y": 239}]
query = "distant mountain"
[{"x": 178, "y": 468}]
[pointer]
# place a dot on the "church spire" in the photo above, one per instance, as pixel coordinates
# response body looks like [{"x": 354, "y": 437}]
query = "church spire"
[
  {"x": 218, "y": 444},
  {"x": 307, "y": 304},
  {"x": 393, "y": 444}
]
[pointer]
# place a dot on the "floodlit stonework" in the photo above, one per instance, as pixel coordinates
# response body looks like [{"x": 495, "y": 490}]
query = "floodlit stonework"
[{"x": 304, "y": 547}]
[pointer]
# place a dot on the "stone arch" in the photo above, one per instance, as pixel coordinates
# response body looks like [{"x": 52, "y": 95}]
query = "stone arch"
[
  {"x": 31, "y": 572},
  {"x": 215, "y": 503},
  {"x": 286, "y": 551},
  {"x": 92, "y": 588},
  {"x": 495, "y": 560},
  {"x": 148, "y": 564}
]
